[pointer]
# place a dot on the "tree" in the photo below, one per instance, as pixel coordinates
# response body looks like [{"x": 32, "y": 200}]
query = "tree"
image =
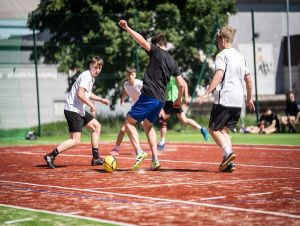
[{"x": 81, "y": 29}]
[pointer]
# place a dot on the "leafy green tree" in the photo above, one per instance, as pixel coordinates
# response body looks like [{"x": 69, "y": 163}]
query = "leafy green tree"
[{"x": 80, "y": 29}]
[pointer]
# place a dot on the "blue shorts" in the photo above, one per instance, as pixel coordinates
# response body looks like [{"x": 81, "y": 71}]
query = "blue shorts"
[{"x": 146, "y": 108}]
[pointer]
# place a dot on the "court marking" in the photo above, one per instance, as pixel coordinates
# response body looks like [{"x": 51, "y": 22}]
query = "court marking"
[
  {"x": 67, "y": 215},
  {"x": 165, "y": 160},
  {"x": 262, "y": 193},
  {"x": 18, "y": 221},
  {"x": 210, "y": 182},
  {"x": 279, "y": 214}
]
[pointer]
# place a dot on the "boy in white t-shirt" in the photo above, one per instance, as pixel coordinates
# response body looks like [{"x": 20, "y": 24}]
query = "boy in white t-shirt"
[
  {"x": 132, "y": 88},
  {"x": 228, "y": 86},
  {"x": 76, "y": 116}
]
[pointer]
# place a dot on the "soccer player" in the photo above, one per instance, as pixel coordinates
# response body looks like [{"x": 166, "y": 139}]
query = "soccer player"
[
  {"x": 153, "y": 94},
  {"x": 76, "y": 116},
  {"x": 132, "y": 88},
  {"x": 227, "y": 84},
  {"x": 168, "y": 110}
]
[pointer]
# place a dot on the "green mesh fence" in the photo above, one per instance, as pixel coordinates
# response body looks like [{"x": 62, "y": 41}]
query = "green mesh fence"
[{"x": 12, "y": 73}]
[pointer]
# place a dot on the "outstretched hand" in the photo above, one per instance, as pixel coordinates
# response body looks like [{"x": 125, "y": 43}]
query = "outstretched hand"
[
  {"x": 123, "y": 24},
  {"x": 105, "y": 101}
]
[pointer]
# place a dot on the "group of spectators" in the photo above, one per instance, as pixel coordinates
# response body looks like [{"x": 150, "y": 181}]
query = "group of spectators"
[{"x": 270, "y": 123}]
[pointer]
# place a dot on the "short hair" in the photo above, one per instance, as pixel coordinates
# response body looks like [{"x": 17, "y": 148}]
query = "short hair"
[
  {"x": 130, "y": 69},
  {"x": 227, "y": 33},
  {"x": 98, "y": 60},
  {"x": 159, "y": 39}
]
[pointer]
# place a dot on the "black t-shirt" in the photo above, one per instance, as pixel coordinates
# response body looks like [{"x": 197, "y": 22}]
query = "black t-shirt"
[
  {"x": 269, "y": 118},
  {"x": 291, "y": 108},
  {"x": 161, "y": 66}
]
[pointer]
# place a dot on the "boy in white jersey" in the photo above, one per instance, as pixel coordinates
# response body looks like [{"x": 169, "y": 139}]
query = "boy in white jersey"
[
  {"x": 228, "y": 87},
  {"x": 76, "y": 116},
  {"x": 132, "y": 88}
]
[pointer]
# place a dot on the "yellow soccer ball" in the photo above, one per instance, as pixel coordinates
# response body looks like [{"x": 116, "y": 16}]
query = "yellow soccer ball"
[{"x": 110, "y": 163}]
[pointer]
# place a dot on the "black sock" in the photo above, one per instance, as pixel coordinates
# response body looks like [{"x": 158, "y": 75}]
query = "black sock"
[
  {"x": 95, "y": 153},
  {"x": 54, "y": 153}
]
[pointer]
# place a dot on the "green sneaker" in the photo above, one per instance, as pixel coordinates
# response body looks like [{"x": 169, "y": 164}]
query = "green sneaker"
[
  {"x": 155, "y": 165},
  {"x": 138, "y": 160}
]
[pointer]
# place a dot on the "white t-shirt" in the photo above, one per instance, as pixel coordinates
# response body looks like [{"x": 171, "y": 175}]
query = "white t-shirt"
[
  {"x": 230, "y": 92},
  {"x": 133, "y": 91},
  {"x": 73, "y": 103}
]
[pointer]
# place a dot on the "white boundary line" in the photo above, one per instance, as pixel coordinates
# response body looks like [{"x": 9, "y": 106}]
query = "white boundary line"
[
  {"x": 279, "y": 214},
  {"x": 68, "y": 215},
  {"x": 17, "y": 221},
  {"x": 173, "y": 161},
  {"x": 201, "y": 183}
]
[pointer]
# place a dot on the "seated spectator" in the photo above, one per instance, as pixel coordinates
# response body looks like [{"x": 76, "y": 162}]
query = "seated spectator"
[
  {"x": 292, "y": 113},
  {"x": 268, "y": 123}
]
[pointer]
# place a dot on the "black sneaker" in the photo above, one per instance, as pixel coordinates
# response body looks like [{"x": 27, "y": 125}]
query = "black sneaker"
[
  {"x": 227, "y": 161},
  {"x": 230, "y": 168},
  {"x": 96, "y": 162},
  {"x": 50, "y": 161}
]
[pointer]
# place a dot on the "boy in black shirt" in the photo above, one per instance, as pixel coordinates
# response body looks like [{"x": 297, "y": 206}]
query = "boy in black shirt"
[{"x": 153, "y": 94}]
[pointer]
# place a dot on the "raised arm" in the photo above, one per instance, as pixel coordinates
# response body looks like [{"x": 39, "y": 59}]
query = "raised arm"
[{"x": 137, "y": 37}]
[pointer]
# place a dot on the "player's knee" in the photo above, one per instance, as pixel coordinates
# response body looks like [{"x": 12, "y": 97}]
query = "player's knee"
[{"x": 163, "y": 122}]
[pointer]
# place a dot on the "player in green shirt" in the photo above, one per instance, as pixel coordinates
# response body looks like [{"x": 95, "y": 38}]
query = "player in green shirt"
[{"x": 168, "y": 110}]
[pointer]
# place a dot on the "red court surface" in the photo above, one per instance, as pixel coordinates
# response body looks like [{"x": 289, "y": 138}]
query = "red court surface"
[{"x": 187, "y": 190}]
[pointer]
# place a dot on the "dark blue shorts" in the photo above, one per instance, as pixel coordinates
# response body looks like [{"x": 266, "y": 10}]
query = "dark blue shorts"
[{"x": 146, "y": 108}]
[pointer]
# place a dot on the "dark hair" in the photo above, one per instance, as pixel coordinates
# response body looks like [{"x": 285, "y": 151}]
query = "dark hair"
[
  {"x": 159, "y": 39},
  {"x": 130, "y": 69},
  {"x": 98, "y": 60}
]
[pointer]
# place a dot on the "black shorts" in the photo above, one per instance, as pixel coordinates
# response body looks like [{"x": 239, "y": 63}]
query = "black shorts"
[
  {"x": 222, "y": 116},
  {"x": 168, "y": 108},
  {"x": 76, "y": 122}
]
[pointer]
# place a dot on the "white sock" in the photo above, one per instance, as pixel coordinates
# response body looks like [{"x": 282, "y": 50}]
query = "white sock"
[
  {"x": 226, "y": 149},
  {"x": 162, "y": 141},
  {"x": 117, "y": 147},
  {"x": 199, "y": 127},
  {"x": 139, "y": 152}
]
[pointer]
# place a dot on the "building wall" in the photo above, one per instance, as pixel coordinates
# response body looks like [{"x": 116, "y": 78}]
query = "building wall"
[
  {"x": 19, "y": 96},
  {"x": 270, "y": 24}
]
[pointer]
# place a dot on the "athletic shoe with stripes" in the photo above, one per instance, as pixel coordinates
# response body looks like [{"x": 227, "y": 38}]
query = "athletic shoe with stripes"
[
  {"x": 155, "y": 165},
  {"x": 161, "y": 147},
  {"x": 138, "y": 160},
  {"x": 50, "y": 161},
  {"x": 96, "y": 162},
  {"x": 114, "y": 152},
  {"x": 226, "y": 161},
  {"x": 230, "y": 168}
]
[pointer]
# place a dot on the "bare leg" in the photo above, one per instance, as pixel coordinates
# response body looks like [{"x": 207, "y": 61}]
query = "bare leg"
[
  {"x": 218, "y": 137},
  {"x": 225, "y": 133},
  {"x": 95, "y": 128},
  {"x": 132, "y": 132},
  {"x": 67, "y": 144},
  {"x": 151, "y": 136},
  {"x": 121, "y": 135},
  {"x": 164, "y": 128},
  {"x": 188, "y": 121}
]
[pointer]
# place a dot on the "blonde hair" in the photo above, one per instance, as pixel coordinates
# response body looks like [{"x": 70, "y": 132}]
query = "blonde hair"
[{"x": 226, "y": 33}]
